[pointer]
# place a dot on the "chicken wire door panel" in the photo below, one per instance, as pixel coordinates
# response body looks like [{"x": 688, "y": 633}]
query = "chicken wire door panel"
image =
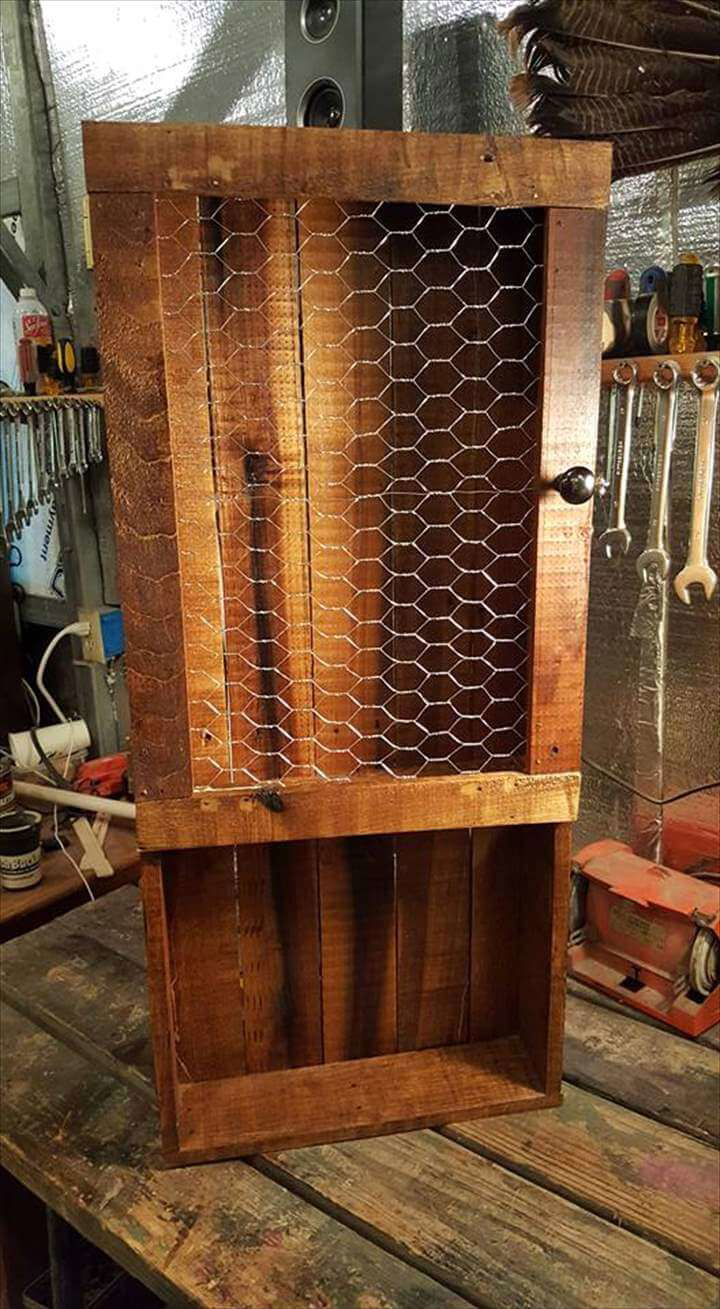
[
  {"x": 355, "y": 566},
  {"x": 372, "y": 375},
  {"x": 343, "y": 370}
]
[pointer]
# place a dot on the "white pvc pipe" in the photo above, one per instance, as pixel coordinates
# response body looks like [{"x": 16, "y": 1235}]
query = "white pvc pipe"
[
  {"x": 58, "y": 739},
  {"x": 97, "y": 804}
]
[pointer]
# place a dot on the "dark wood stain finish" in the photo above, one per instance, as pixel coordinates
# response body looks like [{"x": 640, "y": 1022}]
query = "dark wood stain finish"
[{"x": 333, "y": 958}]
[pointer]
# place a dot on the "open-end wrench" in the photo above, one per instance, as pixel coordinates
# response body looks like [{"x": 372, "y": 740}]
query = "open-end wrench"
[
  {"x": 706, "y": 376},
  {"x": 20, "y": 516},
  {"x": 32, "y": 499},
  {"x": 655, "y": 555},
  {"x": 616, "y": 537}
]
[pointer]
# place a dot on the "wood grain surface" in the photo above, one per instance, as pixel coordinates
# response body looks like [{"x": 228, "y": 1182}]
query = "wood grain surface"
[
  {"x": 209, "y": 1238},
  {"x": 355, "y": 1098},
  {"x": 570, "y": 390},
  {"x": 678, "y": 1083},
  {"x": 358, "y": 944},
  {"x": 367, "y": 806},
  {"x": 141, "y": 466},
  {"x": 254, "y": 350},
  {"x": 212, "y": 159},
  {"x": 500, "y": 1239},
  {"x": 539, "y": 1199},
  {"x": 180, "y": 289},
  {"x": 666, "y": 1186},
  {"x": 435, "y": 940}
]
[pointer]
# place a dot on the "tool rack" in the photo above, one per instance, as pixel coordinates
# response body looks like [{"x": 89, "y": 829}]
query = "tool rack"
[
  {"x": 646, "y": 364},
  {"x": 344, "y": 373}
]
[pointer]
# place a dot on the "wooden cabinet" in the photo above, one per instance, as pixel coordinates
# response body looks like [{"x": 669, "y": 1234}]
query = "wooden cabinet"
[{"x": 343, "y": 371}]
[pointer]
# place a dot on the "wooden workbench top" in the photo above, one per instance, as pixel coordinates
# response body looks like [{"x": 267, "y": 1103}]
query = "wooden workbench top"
[
  {"x": 60, "y": 885},
  {"x": 608, "y": 1200}
]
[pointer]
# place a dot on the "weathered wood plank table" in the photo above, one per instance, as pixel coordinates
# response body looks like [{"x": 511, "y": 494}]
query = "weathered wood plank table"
[{"x": 610, "y": 1200}]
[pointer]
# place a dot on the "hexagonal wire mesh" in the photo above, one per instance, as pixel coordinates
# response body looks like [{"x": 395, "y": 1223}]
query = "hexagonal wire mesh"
[{"x": 372, "y": 379}]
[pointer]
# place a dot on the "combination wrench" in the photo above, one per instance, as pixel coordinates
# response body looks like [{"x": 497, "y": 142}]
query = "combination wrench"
[
  {"x": 616, "y": 538},
  {"x": 655, "y": 556},
  {"x": 697, "y": 571}
]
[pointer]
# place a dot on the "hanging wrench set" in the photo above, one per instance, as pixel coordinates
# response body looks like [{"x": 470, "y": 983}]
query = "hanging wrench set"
[
  {"x": 43, "y": 441},
  {"x": 624, "y": 410}
]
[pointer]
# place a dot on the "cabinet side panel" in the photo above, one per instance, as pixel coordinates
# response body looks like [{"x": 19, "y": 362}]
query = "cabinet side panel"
[
  {"x": 162, "y": 1011},
  {"x": 126, "y": 271},
  {"x": 201, "y": 897},
  {"x": 542, "y": 947},
  {"x": 574, "y": 254}
]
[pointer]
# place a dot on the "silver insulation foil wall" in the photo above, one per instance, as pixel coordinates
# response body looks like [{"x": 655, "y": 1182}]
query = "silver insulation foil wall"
[
  {"x": 7, "y": 132},
  {"x": 652, "y": 719},
  {"x": 652, "y": 705}
]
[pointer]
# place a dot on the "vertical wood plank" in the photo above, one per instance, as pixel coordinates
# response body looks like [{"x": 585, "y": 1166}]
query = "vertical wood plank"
[
  {"x": 126, "y": 273},
  {"x": 498, "y": 882},
  {"x": 433, "y": 938},
  {"x": 345, "y": 325},
  {"x": 574, "y": 267},
  {"x": 186, "y": 379},
  {"x": 357, "y": 897},
  {"x": 162, "y": 1008},
  {"x": 205, "y": 976},
  {"x": 256, "y": 403},
  {"x": 279, "y": 948},
  {"x": 542, "y": 947}
]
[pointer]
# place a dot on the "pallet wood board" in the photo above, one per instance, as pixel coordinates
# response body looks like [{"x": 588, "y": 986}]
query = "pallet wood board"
[
  {"x": 616, "y": 1162},
  {"x": 679, "y": 1082},
  {"x": 367, "y": 364},
  {"x": 243, "y": 1115},
  {"x": 143, "y": 493},
  {"x": 574, "y": 272},
  {"x": 366, "y": 807},
  {"x": 104, "y": 1006},
  {"x": 480, "y": 1223},
  {"x": 710, "y": 1038},
  {"x": 208, "y": 159},
  {"x": 260, "y": 1245}
]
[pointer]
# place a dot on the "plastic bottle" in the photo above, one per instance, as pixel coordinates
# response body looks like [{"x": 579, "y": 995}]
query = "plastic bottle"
[
  {"x": 33, "y": 328},
  {"x": 32, "y": 319}
]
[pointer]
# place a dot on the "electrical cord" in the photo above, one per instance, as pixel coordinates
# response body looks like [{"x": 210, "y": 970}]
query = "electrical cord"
[
  {"x": 33, "y": 700},
  {"x": 53, "y": 776},
  {"x": 72, "y": 629}
]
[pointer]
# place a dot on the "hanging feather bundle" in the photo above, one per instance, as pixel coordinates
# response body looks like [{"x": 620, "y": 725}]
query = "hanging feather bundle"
[{"x": 644, "y": 74}]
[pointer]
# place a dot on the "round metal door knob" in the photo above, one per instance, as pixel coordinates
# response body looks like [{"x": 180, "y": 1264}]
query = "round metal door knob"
[{"x": 576, "y": 485}]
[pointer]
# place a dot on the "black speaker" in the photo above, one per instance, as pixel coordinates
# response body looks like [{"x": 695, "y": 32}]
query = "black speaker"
[{"x": 343, "y": 63}]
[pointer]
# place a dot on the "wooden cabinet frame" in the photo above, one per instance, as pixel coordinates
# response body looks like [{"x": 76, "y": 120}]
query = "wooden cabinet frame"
[{"x": 217, "y": 847}]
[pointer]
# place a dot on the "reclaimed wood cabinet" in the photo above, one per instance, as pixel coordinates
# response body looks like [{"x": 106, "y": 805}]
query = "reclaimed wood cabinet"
[{"x": 343, "y": 372}]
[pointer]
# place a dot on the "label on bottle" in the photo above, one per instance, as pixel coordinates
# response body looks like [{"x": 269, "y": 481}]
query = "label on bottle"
[{"x": 37, "y": 328}]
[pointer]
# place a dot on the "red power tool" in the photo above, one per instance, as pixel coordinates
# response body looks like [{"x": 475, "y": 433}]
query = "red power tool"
[{"x": 646, "y": 935}]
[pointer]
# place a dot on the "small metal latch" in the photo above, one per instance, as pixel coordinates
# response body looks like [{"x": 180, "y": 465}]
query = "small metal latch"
[{"x": 272, "y": 800}]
